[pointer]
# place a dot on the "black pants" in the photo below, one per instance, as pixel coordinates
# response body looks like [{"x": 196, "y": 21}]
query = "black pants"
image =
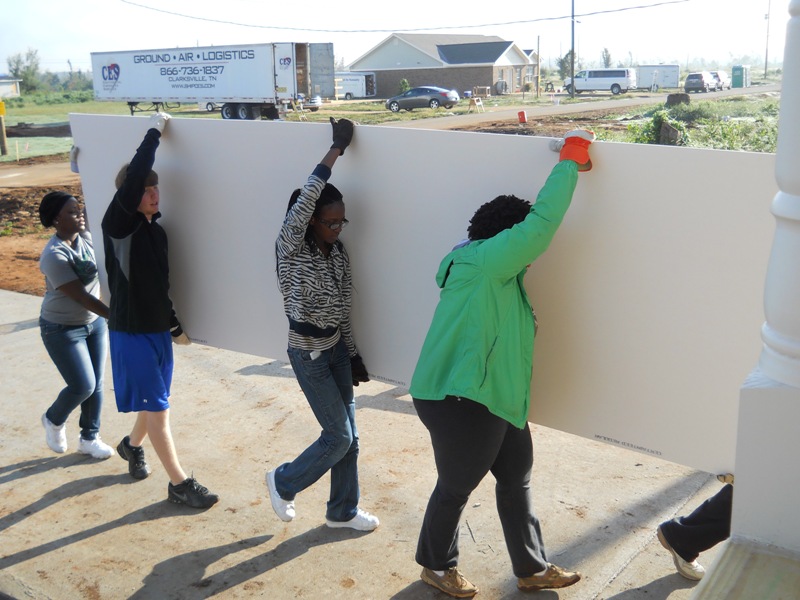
[
  {"x": 468, "y": 442},
  {"x": 708, "y": 525}
]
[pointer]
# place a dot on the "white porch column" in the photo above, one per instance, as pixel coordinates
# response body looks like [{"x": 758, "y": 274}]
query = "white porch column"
[
  {"x": 762, "y": 558},
  {"x": 780, "y": 357},
  {"x": 767, "y": 491}
]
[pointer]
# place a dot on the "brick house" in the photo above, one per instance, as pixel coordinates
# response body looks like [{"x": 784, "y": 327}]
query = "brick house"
[{"x": 459, "y": 62}]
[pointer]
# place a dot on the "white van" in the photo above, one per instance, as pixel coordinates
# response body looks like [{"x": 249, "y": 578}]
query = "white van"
[
  {"x": 351, "y": 85},
  {"x": 592, "y": 80}
]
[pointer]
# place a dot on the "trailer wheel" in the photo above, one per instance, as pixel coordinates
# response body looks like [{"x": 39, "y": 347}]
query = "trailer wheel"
[
  {"x": 210, "y": 106},
  {"x": 243, "y": 112},
  {"x": 228, "y": 111},
  {"x": 348, "y": 96}
]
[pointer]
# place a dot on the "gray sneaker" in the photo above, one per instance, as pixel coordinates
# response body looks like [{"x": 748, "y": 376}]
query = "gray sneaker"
[{"x": 137, "y": 466}]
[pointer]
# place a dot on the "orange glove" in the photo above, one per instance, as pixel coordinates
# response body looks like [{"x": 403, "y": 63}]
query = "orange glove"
[{"x": 576, "y": 147}]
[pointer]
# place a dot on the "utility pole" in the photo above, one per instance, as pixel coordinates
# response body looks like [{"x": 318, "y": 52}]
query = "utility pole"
[
  {"x": 572, "y": 56},
  {"x": 538, "y": 69},
  {"x": 766, "y": 51}
]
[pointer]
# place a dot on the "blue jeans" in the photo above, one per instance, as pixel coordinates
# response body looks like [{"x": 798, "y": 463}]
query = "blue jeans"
[
  {"x": 79, "y": 352},
  {"x": 327, "y": 382}
]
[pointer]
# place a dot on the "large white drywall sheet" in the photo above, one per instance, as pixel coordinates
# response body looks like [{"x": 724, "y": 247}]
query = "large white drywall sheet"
[
  {"x": 649, "y": 298},
  {"x": 650, "y": 302}
]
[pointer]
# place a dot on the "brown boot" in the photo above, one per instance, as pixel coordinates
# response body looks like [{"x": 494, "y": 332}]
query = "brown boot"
[
  {"x": 554, "y": 578},
  {"x": 452, "y": 582}
]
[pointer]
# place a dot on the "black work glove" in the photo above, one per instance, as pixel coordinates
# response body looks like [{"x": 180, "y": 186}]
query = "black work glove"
[
  {"x": 342, "y": 134},
  {"x": 358, "y": 369}
]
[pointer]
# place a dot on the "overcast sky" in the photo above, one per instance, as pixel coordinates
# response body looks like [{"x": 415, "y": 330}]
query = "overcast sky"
[{"x": 672, "y": 31}]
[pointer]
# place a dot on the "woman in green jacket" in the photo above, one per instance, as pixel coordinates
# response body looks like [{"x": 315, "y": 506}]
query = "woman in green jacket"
[{"x": 471, "y": 385}]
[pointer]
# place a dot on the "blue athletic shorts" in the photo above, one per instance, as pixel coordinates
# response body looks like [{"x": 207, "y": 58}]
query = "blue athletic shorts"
[{"x": 141, "y": 364}]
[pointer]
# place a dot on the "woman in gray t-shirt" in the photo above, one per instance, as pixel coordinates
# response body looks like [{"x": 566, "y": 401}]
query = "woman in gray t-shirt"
[{"x": 73, "y": 324}]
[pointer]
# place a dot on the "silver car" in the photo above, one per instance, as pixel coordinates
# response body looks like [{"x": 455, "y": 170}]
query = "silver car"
[{"x": 427, "y": 96}]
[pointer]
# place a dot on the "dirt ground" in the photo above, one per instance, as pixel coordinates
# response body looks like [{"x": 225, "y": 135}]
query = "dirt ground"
[
  {"x": 555, "y": 126},
  {"x": 22, "y": 237}
]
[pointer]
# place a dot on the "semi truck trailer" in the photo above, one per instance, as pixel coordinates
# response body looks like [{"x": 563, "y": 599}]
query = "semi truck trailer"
[{"x": 248, "y": 81}]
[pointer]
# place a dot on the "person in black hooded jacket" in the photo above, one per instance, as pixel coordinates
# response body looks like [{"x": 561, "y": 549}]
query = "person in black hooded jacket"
[{"x": 142, "y": 322}]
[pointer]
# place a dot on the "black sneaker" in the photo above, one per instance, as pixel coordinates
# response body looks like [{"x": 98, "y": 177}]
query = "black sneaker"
[
  {"x": 137, "y": 466},
  {"x": 191, "y": 493}
]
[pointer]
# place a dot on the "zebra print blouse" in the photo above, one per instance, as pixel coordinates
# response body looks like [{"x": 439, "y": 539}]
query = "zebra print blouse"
[{"x": 317, "y": 290}]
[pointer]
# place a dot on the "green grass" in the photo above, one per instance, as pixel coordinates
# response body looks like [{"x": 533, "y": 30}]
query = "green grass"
[
  {"x": 28, "y": 147},
  {"x": 736, "y": 123}
]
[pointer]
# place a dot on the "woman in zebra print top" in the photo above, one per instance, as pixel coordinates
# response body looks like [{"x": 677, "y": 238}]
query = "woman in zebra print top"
[{"x": 314, "y": 276}]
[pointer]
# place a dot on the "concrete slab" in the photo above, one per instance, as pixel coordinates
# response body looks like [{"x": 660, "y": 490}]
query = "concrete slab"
[{"x": 74, "y": 527}]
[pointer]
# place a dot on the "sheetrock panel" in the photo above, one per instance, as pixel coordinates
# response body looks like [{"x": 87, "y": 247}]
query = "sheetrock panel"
[{"x": 649, "y": 299}]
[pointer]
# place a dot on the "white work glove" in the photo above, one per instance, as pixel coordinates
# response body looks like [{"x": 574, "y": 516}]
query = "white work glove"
[
  {"x": 73, "y": 159},
  {"x": 159, "y": 121}
]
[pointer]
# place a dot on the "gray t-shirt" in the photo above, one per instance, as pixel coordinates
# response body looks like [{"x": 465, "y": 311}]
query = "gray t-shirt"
[{"x": 61, "y": 263}]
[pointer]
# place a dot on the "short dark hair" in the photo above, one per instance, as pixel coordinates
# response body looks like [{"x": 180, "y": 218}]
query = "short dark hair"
[
  {"x": 497, "y": 215},
  {"x": 51, "y": 205}
]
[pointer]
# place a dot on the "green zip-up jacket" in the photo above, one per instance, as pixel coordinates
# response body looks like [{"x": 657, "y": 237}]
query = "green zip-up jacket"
[{"x": 480, "y": 342}]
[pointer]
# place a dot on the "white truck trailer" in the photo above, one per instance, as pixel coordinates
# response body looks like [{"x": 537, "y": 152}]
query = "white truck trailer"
[
  {"x": 656, "y": 77},
  {"x": 247, "y": 81},
  {"x": 351, "y": 85}
]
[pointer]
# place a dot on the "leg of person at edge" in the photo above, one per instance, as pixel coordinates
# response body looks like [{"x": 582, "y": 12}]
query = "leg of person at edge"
[
  {"x": 142, "y": 322},
  {"x": 707, "y": 525},
  {"x": 314, "y": 276},
  {"x": 72, "y": 322},
  {"x": 471, "y": 386}
]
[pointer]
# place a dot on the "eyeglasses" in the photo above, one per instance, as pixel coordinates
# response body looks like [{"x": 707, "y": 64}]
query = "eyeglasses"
[{"x": 334, "y": 225}]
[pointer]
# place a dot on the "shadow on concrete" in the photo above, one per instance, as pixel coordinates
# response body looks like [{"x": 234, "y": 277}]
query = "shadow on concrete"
[
  {"x": 188, "y": 570},
  {"x": 630, "y": 518},
  {"x": 273, "y": 368},
  {"x": 386, "y": 401},
  {"x": 659, "y": 589},
  {"x": 19, "y": 326},
  {"x": 71, "y": 489},
  {"x": 420, "y": 590},
  {"x": 158, "y": 510},
  {"x": 37, "y": 466}
]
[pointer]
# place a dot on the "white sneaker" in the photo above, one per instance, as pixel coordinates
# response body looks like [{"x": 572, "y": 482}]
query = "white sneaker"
[
  {"x": 363, "y": 521},
  {"x": 96, "y": 448},
  {"x": 55, "y": 435},
  {"x": 283, "y": 508},
  {"x": 690, "y": 570}
]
